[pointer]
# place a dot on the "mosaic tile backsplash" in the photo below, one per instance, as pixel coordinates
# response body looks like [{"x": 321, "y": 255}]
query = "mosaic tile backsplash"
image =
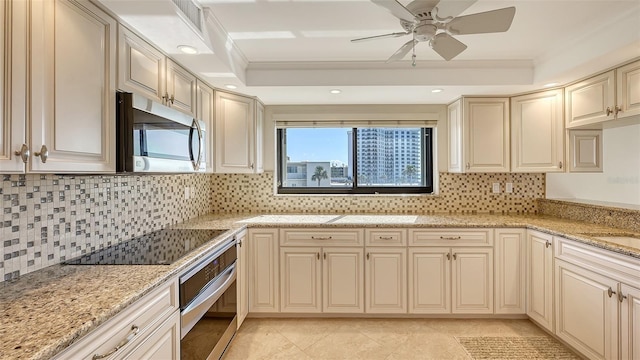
[
  {"x": 47, "y": 219},
  {"x": 459, "y": 193}
]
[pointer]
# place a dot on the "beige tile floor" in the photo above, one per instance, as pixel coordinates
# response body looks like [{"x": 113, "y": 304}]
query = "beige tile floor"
[{"x": 372, "y": 339}]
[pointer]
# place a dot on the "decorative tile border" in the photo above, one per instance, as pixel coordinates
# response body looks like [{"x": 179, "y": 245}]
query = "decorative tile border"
[
  {"x": 596, "y": 214},
  {"x": 47, "y": 219},
  {"x": 459, "y": 193}
]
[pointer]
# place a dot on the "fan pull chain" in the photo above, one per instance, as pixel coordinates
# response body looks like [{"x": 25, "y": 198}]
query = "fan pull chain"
[{"x": 413, "y": 57}]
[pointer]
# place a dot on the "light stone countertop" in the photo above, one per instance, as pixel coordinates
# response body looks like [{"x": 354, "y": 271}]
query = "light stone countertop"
[{"x": 46, "y": 311}]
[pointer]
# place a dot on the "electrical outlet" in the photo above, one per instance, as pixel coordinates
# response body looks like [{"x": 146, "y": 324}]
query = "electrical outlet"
[
  {"x": 186, "y": 193},
  {"x": 496, "y": 188},
  {"x": 193, "y": 191},
  {"x": 508, "y": 188}
]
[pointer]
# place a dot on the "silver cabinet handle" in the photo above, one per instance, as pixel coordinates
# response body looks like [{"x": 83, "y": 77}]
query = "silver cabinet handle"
[
  {"x": 24, "y": 153},
  {"x": 617, "y": 109},
  {"x": 165, "y": 98},
  {"x": 449, "y": 237},
  {"x": 609, "y": 111},
  {"x": 620, "y": 296},
  {"x": 610, "y": 292},
  {"x": 385, "y": 237},
  {"x": 43, "y": 153},
  {"x": 172, "y": 98},
  {"x": 321, "y": 238},
  {"x": 251, "y": 166},
  {"x": 468, "y": 166},
  {"x": 125, "y": 341},
  {"x": 547, "y": 244},
  {"x": 240, "y": 243}
]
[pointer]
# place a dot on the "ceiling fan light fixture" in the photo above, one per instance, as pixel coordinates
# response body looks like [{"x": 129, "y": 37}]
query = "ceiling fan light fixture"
[{"x": 188, "y": 49}]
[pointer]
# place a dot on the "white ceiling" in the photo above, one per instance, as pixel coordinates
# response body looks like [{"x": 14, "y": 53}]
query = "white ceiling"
[{"x": 295, "y": 51}]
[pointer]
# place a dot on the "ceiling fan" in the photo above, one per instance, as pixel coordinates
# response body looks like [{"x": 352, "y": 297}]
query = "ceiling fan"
[{"x": 435, "y": 21}]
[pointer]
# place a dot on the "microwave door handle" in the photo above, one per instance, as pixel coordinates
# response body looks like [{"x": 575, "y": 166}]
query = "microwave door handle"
[{"x": 196, "y": 162}]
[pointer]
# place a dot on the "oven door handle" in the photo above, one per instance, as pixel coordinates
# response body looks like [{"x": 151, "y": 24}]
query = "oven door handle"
[{"x": 201, "y": 303}]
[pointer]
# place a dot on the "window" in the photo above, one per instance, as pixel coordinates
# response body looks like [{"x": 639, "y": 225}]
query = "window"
[{"x": 385, "y": 160}]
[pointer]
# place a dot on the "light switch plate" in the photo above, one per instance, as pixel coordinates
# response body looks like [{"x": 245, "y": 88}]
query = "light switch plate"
[
  {"x": 508, "y": 187},
  {"x": 496, "y": 188},
  {"x": 186, "y": 193}
]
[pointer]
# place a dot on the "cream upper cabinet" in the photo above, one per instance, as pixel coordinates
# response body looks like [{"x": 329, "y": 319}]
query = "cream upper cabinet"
[
  {"x": 141, "y": 66},
  {"x": 144, "y": 70},
  {"x": 630, "y": 322},
  {"x": 205, "y": 113},
  {"x": 537, "y": 132},
  {"x": 181, "y": 88},
  {"x": 585, "y": 150},
  {"x": 540, "y": 278},
  {"x": 264, "y": 281},
  {"x": 236, "y": 134},
  {"x": 510, "y": 253},
  {"x": 385, "y": 280},
  {"x": 628, "y": 90},
  {"x": 479, "y": 135},
  {"x": 586, "y": 311},
  {"x": 242, "y": 282},
  {"x": 73, "y": 84},
  {"x": 429, "y": 280},
  {"x": 612, "y": 95}
]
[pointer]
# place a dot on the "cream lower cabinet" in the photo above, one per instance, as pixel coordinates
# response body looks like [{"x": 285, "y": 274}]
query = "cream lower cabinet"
[
  {"x": 630, "y": 322},
  {"x": 264, "y": 279},
  {"x": 429, "y": 280},
  {"x": 315, "y": 280},
  {"x": 146, "y": 329},
  {"x": 386, "y": 280},
  {"x": 540, "y": 278},
  {"x": 242, "y": 282},
  {"x": 510, "y": 254}
]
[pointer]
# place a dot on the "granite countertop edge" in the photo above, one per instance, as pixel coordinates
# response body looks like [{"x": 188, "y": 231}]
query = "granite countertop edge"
[{"x": 23, "y": 301}]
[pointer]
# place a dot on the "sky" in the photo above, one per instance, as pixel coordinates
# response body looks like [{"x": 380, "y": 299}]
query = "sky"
[{"x": 315, "y": 144}]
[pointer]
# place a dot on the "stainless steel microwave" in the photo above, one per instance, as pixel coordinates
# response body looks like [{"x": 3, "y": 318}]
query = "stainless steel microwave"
[{"x": 154, "y": 138}]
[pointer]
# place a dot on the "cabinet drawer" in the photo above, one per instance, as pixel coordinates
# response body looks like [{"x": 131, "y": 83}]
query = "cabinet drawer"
[
  {"x": 321, "y": 237},
  {"x": 385, "y": 237},
  {"x": 451, "y": 237},
  {"x": 145, "y": 314},
  {"x": 608, "y": 263}
]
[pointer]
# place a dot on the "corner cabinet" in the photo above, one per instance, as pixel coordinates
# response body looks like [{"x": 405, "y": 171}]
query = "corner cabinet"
[
  {"x": 71, "y": 96},
  {"x": 537, "y": 132},
  {"x": 478, "y": 133},
  {"x": 238, "y": 134}
]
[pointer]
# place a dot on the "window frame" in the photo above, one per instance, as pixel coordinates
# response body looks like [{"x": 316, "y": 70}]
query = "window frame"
[{"x": 427, "y": 164}]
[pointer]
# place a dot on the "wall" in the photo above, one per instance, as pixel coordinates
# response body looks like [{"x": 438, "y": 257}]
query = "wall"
[
  {"x": 48, "y": 218},
  {"x": 620, "y": 180},
  {"x": 460, "y": 193}
]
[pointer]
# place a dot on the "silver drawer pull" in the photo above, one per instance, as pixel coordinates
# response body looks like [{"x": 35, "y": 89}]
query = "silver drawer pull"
[
  {"x": 125, "y": 341},
  {"x": 449, "y": 237},
  {"x": 321, "y": 238},
  {"x": 385, "y": 237}
]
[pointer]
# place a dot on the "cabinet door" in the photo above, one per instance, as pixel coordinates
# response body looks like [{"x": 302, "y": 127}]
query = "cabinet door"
[
  {"x": 342, "y": 280},
  {"x": 537, "y": 132},
  {"x": 472, "y": 281},
  {"x": 242, "y": 282},
  {"x": 141, "y": 67},
  {"x": 590, "y": 101},
  {"x": 204, "y": 112},
  {"x": 163, "y": 343},
  {"x": 586, "y": 311},
  {"x": 235, "y": 133},
  {"x": 486, "y": 134},
  {"x": 181, "y": 88},
  {"x": 540, "y": 278},
  {"x": 259, "y": 138},
  {"x": 429, "y": 280},
  {"x": 300, "y": 280},
  {"x": 510, "y": 271},
  {"x": 13, "y": 59},
  {"x": 628, "y": 90},
  {"x": 630, "y": 322},
  {"x": 385, "y": 281},
  {"x": 585, "y": 151},
  {"x": 264, "y": 288},
  {"x": 454, "y": 130},
  {"x": 73, "y": 87}
]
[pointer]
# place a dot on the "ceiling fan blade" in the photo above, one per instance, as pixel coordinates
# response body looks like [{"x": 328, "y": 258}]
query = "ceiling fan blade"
[
  {"x": 397, "y": 34},
  {"x": 395, "y": 8},
  {"x": 447, "y": 46},
  {"x": 481, "y": 23},
  {"x": 403, "y": 51},
  {"x": 451, "y": 8}
]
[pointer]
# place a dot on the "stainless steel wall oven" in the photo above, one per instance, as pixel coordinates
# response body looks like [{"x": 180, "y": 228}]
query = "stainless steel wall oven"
[{"x": 208, "y": 304}]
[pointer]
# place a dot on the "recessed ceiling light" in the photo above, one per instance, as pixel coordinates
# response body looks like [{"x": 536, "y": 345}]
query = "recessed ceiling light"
[
  {"x": 436, "y": 90},
  {"x": 231, "y": 86},
  {"x": 188, "y": 49},
  {"x": 551, "y": 84},
  {"x": 335, "y": 91}
]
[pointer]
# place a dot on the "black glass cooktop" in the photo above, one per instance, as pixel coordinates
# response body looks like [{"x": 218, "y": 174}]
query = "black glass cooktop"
[{"x": 161, "y": 247}]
